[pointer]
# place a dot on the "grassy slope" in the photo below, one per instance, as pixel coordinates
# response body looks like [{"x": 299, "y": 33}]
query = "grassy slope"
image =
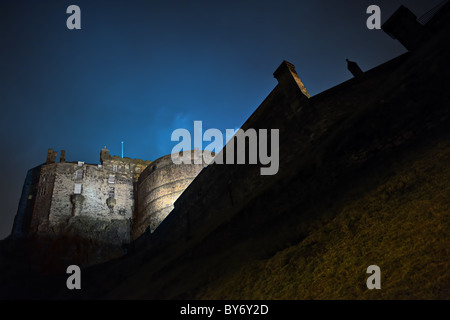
[{"x": 403, "y": 227}]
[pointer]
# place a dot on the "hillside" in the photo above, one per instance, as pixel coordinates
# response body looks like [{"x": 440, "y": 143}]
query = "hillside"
[{"x": 403, "y": 226}]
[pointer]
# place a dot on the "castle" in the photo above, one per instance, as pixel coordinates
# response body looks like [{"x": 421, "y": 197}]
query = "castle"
[
  {"x": 97, "y": 210},
  {"x": 110, "y": 203},
  {"x": 367, "y": 141}
]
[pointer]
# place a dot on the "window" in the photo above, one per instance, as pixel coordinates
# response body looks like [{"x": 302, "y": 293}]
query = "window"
[
  {"x": 115, "y": 167},
  {"x": 79, "y": 174},
  {"x": 111, "y": 192},
  {"x": 112, "y": 179},
  {"x": 77, "y": 189}
]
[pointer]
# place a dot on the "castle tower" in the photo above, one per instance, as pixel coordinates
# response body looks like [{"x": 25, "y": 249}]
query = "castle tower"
[{"x": 159, "y": 186}]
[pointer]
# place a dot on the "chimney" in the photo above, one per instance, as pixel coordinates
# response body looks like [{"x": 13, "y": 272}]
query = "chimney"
[
  {"x": 404, "y": 27},
  {"x": 51, "y": 156},
  {"x": 62, "y": 156},
  {"x": 104, "y": 154}
]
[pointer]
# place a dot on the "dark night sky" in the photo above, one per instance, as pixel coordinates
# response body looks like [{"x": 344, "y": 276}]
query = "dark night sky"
[{"x": 140, "y": 69}]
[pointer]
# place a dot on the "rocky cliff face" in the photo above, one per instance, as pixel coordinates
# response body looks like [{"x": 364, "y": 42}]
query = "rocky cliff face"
[{"x": 83, "y": 241}]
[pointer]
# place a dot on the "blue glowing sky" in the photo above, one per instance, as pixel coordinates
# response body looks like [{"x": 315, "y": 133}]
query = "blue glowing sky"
[{"x": 137, "y": 70}]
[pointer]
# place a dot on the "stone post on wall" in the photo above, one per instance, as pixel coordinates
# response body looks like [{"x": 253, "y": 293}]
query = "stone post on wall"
[
  {"x": 104, "y": 155},
  {"x": 404, "y": 27},
  {"x": 290, "y": 83},
  {"x": 62, "y": 156},
  {"x": 51, "y": 156}
]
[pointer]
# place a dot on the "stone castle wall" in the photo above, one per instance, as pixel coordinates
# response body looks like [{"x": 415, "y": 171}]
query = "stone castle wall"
[
  {"x": 159, "y": 187},
  {"x": 93, "y": 201},
  {"x": 100, "y": 205},
  {"x": 43, "y": 201},
  {"x": 329, "y": 143}
]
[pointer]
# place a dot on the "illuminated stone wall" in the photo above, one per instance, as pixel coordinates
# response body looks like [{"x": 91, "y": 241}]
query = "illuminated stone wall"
[
  {"x": 159, "y": 186},
  {"x": 99, "y": 212}
]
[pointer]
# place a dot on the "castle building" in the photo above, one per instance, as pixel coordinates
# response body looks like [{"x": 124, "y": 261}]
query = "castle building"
[
  {"x": 108, "y": 203},
  {"x": 338, "y": 148}
]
